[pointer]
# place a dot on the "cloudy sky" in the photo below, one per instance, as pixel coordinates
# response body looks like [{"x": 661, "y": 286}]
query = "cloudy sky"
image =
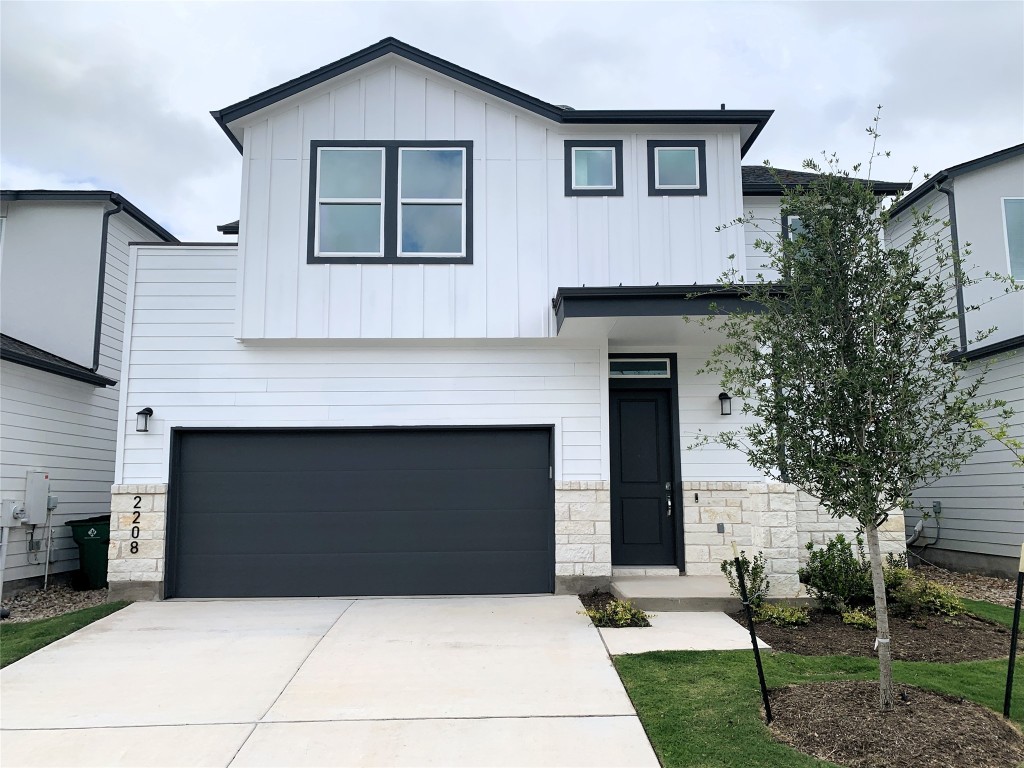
[{"x": 117, "y": 95}]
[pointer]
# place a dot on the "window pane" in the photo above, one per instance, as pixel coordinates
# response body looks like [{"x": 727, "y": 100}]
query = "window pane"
[
  {"x": 350, "y": 173},
  {"x": 794, "y": 227},
  {"x": 431, "y": 228},
  {"x": 1014, "y": 209},
  {"x": 350, "y": 228},
  {"x": 593, "y": 168},
  {"x": 677, "y": 167},
  {"x": 644, "y": 368},
  {"x": 432, "y": 174}
]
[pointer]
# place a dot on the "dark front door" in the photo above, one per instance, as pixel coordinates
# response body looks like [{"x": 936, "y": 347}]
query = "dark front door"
[{"x": 642, "y": 524}]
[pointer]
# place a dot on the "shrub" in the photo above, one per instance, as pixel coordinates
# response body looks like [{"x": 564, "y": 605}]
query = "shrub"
[
  {"x": 618, "y": 613},
  {"x": 836, "y": 578},
  {"x": 916, "y": 594},
  {"x": 754, "y": 575},
  {"x": 782, "y": 615},
  {"x": 859, "y": 619}
]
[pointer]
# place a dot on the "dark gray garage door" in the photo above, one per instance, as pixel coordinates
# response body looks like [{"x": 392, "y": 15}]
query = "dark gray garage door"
[{"x": 289, "y": 513}]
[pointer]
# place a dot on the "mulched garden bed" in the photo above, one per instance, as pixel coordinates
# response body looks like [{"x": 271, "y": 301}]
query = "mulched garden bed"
[
  {"x": 55, "y": 600},
  {"x": 929, "y": 638},
  {"x": 840, "y": 722},
  {"x": 596, "y": 600},
  {"x": 971, "y": 585}
]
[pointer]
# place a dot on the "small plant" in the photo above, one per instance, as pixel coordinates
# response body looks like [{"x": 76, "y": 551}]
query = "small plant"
[
  {"x": 916, "y": 595},
  {"x": 782, "y": 615},
  {"x": 618, "y": 613},
  {"x": 860, "y": 619},
  {"x": 754, "y": 575},
  {"x": 837, "y": 579}
]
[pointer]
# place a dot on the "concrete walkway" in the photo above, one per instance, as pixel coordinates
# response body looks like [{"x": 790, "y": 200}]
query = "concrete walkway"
[
  {"x": 522, "y": 681},
  {"x": 687, "y": 631}
]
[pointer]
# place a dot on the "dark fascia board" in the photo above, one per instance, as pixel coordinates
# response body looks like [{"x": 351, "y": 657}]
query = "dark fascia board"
[
  {"x": 759, "y": 189},
  {"x": 89, "y": 195},
  {"x": 56, "y": 365},
  {"x": 996, "y": 348},
  {"x": 934, "y": 182},
  {"x": 651, "y": 301},
  {"x": 231, "y": 228},
  {"x": 390, "y": 45}
]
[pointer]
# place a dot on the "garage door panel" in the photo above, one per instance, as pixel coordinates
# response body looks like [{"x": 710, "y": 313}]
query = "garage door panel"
[
  {"x": 281, "y": 513},
  {"x": 364, "y": 531},
  {"x": 382, "y": 489}
]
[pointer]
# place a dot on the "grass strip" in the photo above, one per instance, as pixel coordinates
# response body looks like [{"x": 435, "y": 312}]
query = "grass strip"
[{"x": 19, "y": 640}]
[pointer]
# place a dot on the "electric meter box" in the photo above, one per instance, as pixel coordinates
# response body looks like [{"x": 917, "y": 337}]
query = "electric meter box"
[{"x": 37, "y": 492}]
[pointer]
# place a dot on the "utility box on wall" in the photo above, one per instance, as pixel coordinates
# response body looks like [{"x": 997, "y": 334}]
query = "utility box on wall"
[{"x": 37, "y": 493}]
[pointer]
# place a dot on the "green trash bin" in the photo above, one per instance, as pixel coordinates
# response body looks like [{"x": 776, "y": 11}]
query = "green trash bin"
[{"x": 92, "y": 535}]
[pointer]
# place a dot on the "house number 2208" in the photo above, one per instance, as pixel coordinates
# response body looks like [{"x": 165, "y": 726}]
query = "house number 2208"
[{"x": 135, "y": 526}]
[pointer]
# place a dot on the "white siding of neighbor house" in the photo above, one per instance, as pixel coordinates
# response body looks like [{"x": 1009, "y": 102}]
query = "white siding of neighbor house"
[
  {"x": 64, "y": 426},
  {"x": 529, "y": 238},
  {"x": 983, "y": 504},
  {"x": 185, "y": 364},
  {"x": 764, "y": 223}
]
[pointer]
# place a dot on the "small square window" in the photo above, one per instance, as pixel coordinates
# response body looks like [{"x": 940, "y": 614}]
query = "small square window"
[
  {"x": 676, "y": 168},
  {"x": 593, "y": 168}
]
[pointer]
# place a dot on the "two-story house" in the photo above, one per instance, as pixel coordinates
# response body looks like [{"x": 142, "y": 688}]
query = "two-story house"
[
  {"x": 447, "y": 353},
  {"x": 975, "y": 518},
  {"x": 64, "y": 267}
]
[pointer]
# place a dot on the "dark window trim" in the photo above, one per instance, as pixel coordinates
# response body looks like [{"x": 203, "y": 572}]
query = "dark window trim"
[
  {"x": 390, "y": 205},
  {"x": 615, "y": 144},
  {"x": 702, "y": 168},
  {"x": 785, "y": 227},
  {"x": 671, "y": 384}
]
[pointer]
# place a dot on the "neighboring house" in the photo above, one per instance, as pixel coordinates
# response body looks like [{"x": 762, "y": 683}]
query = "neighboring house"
[
  {"x": 64, "y": 269},
  {"x": 447, "y": 354},
  {"x": 976, "y": 517}
]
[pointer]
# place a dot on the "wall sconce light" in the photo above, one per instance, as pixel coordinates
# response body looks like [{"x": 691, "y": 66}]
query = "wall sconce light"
[
  {"x": 726, "y": 403},
  {"x": 142, "y": 420}
]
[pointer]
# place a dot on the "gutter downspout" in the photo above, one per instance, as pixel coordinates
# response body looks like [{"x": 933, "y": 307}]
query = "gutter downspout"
[
  {"x": 957, "y": 269},
  {"x": 101, "y": 286}
]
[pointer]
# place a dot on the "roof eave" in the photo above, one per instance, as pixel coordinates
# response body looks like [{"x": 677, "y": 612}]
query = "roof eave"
[{"x": 96, "y": 195}]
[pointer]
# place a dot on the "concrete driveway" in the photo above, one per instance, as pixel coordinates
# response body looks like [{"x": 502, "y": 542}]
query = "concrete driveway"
[{"x": 454, "y": 682}]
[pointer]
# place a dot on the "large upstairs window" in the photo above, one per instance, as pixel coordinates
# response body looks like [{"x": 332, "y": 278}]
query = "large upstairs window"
[{"x": 390, "y": 202}]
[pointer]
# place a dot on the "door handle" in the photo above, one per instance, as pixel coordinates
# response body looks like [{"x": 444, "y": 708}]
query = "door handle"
[{"x": 668, "y": 499}]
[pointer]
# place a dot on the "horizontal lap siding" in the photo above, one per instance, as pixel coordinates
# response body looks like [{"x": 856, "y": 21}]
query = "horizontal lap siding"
[
  {"x": 983, "y": 504},
  {"x": 193, "y": 372},
  {"x": 764, "y": 222}
]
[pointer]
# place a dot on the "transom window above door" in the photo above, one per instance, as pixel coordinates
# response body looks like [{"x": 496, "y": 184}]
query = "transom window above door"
[
  {"x": 391, "y": 202},
  {"x": 593, "y": 168}
]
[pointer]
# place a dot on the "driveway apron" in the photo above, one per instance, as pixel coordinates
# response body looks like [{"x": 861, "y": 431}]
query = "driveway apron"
[{"x": 447, "y": 681}]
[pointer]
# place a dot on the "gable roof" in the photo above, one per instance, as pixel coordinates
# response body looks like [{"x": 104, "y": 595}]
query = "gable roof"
[
  {"x": 90, "y": 195},
  {"x": 934, "y": 182},
  {"x": 754, "y": 119},
  {"x": 758, "y": 180},
  {"x": 33, "y": 357}
]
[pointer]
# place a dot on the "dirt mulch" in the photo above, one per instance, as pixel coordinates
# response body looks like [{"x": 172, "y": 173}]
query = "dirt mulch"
[
  {"x": 53, "y": 601},
  {"x": 596, "y": 600},
  {"x": 930, "y": 638},
  {"x": 971, "y": 585},
  {"x": 840, "y": 722}
]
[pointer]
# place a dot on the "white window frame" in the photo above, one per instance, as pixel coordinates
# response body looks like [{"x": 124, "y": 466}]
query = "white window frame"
[
  {"x": 461, "y": 202},
  {"x": 615, "y": 180},
  {"x": 350, "y": 201},
  {"x": 1006, "y": 235},
  {"x": 657, "y": 167},
  {"x": 645, "y": 360}
]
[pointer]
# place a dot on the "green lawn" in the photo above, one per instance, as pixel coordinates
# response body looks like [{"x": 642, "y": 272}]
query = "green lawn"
[
  {"x": 1000, "y": 614},
  {"x": 703, "y": 708},
  {"x": 19, "y": 640}
]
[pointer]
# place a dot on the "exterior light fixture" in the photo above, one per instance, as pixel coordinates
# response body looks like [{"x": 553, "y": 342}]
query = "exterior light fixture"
[
  {"x": 726, "y": 403},
  {"x": 142, "y": 420}
]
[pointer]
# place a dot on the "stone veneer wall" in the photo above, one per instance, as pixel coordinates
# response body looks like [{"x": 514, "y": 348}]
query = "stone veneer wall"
[
  {"x": 137, "y": 575},
  {"x": 583, "y": 535},
  {"x": 774, "y": 518}
]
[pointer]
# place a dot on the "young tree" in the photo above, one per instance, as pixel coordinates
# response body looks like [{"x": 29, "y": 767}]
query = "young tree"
[{"x": 847, "y": 368}]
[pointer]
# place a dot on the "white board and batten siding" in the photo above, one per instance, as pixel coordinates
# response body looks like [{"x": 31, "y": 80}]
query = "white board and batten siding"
[
  {"x": 64, "y": 426},
  {"x": 185, "y": 363},
  {"x": 529, "y": 238}
]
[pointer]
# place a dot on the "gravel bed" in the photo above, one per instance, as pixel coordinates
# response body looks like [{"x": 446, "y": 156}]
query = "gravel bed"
[
  {"x": 971, "y": 585},
  {"x": 54, "y": 601}
]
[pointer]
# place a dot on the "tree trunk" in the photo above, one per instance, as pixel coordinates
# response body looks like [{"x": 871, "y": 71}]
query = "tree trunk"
[{"x": 885, "y": 690}]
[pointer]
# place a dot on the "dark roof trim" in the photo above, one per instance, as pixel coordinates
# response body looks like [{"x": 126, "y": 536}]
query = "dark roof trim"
[
  {"x": 89, "y": 195},
  {"x": 231, "y": 228},
  {"x": 758, "y": 181},
  {"x": 996, "y": 348},
  {"x": 32, "y": 357},
  {"x": 389, "y": 45},
  {"x": 650, "y": 301},
  {"x": 933, "y": 183}
]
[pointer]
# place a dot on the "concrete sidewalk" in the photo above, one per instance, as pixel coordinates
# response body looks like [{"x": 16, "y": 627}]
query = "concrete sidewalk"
[{"x": 457, "y": 681}]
